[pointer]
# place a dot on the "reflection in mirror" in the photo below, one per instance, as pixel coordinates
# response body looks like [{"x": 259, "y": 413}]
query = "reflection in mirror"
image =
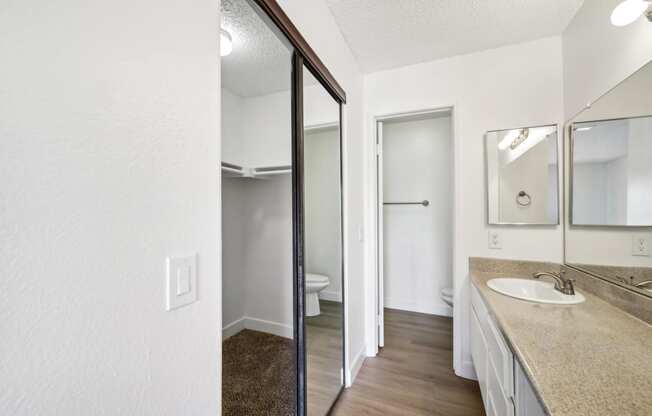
[
  {"x": 323, "y": 247},
  {"x": 522, "y": 176},
  {"x": 612, "y": 172},
  {"x": 608, "y": 186}
]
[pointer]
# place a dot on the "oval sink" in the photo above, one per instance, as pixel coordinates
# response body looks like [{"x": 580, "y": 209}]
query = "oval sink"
[{"x": 533, "y": 291}]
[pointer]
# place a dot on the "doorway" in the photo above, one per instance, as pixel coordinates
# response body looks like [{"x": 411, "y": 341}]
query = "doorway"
[{"x": 414, "y": 227}]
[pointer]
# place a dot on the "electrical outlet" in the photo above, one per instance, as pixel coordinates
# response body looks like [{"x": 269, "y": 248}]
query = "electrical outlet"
[
  {"x": 495, "y": 240},
  {"x": 640, "y": 245}
]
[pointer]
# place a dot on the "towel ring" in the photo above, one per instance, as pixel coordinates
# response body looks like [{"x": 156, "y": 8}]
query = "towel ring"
[{"x": 523, "y": 199}]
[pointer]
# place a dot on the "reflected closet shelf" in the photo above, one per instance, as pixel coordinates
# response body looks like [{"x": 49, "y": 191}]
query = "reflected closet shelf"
[{"x": 231, "y": 170}]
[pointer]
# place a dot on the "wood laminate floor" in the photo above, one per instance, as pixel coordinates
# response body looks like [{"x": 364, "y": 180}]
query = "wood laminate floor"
[
  {"x": 324, "y": 357},
  {"x": 413, "y": 374}
]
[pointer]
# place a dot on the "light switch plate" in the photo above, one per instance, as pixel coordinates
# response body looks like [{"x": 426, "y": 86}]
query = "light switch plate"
[
  {"x": 495, "y": 240},
  {"x": 181, "y": 279},
  {"x": 641, "y": 245}
]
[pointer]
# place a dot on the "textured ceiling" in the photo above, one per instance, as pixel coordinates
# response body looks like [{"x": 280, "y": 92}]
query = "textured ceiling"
[
  {"x": 386, "y": 34},
  {"x": 260, "y": 63}
]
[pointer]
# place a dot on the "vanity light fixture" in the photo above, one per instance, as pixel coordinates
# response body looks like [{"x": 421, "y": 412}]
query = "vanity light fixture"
[
  {"x": 629, "y": 10},
  {"x": 226, "y": 43},
  {"x": 523, "y": 135},
  {"x": 509, "y": 138}
]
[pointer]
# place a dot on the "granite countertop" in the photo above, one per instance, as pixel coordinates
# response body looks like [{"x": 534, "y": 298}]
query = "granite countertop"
[{"x": 590, "y": 359}]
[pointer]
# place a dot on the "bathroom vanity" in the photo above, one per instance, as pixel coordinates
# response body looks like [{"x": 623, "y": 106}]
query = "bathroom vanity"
[
  {"x": 536, "y": 359},
  {"x": 505, "y": 388}
]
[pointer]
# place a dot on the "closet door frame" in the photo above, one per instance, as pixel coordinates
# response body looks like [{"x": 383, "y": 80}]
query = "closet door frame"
[{"x": 298, "y": 234}]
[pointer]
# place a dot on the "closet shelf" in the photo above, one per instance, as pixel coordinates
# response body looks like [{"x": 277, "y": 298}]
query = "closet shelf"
[
  {"x": 272, "y": 170},
  {"x": 230, "y": 170}
]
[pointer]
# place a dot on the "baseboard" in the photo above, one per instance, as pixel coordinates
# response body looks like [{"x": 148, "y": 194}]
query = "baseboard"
[
  {"x": 260, "y": 325},
  {"x": 467, "y": 370},
  {"x": 332, "y": 296},
  {"x": 233, "y": 328},
  {"x": 356, "y": 365},
  {"x": 275, "y": 328},
  {"x": 403, "y": 305}
]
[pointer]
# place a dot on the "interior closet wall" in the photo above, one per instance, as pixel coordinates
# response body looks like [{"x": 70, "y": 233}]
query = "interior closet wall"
[{"x": 418, "y": 250}]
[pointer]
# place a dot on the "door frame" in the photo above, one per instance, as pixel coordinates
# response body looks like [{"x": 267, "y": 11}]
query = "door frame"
[{"x": 376, "y": 308}]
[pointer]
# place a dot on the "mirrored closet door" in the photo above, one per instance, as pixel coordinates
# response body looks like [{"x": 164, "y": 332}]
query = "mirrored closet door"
[
  {"x": 282, "y": 261},
  {"x": 324, "y": 286}
]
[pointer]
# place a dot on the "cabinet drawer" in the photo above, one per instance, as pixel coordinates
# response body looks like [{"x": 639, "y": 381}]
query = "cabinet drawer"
[
  {"x": 501, "y": 357},
  {"x": 479, "y": 355}
]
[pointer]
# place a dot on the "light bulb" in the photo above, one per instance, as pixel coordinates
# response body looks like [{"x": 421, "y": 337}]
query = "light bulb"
[
  {"x": 226, "y": 44},
  {"x": 628, "y": 11}
]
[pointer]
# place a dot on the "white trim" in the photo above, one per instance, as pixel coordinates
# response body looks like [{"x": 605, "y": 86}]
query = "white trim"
[
  {"x": 270, "y": 327},
  {"x": 411, "y": 306},
  {"x": 233, "y": 328},
  {"x": 357, "y": 362},
  {"x": 331, "y": 296},
  {"x": 260, "y": 325},
  {"x": 467, "y": 370}
]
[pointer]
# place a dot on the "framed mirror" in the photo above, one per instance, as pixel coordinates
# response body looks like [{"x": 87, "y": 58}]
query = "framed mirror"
[
  {"x": 608, "y": 185},
  {"x": 522, "y": 176}
]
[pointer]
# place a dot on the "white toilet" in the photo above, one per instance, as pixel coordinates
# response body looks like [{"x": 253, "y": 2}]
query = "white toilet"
[
  {"x": 447, "y": 296},
  {"x": 315, "y": 283}
]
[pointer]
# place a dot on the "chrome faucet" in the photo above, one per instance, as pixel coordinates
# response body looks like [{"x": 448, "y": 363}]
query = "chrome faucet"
[{"x": 562, "y": 284}]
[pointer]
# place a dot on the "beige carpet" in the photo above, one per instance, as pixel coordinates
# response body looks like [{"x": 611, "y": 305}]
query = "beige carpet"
[{"x": 258, "y": 375}]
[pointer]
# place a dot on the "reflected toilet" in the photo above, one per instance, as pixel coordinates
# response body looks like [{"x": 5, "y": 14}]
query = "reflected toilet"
[{"x": 315, "y": 283}]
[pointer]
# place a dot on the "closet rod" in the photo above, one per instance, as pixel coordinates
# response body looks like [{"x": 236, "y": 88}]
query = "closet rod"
[{"x": 425, "y": 203}]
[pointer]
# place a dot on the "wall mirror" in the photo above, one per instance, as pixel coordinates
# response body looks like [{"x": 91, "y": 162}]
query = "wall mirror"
[
  {"x": 611, "y": 172},
  {"x": 608, "y": 165},
  {"x": 522, "y": 176}
]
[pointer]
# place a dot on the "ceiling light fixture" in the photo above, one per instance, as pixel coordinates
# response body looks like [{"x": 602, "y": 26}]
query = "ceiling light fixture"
[
  {"x": 226, "y": 43},
  {"x": 628, "y": 11}
]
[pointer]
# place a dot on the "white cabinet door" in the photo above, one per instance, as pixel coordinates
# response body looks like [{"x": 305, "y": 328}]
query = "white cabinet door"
[
  {"x": 525, "y": 400},
  {"x": 479, "y": 354}
]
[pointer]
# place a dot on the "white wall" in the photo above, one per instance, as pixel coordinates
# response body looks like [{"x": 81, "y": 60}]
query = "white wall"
[
  {"x": 108, "y": 154},
  {"x": 488, "y": 92},
  {"x": 597, "y": 55},
  {"x": 232, "y": 129},
  {"x": 314, "y": 20},
  {"x": 323, "y": 210},
  {"x": 268, "y": 265},
  {"x": 418, "y": 241},
  {"x": 234, "y": 254}
]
